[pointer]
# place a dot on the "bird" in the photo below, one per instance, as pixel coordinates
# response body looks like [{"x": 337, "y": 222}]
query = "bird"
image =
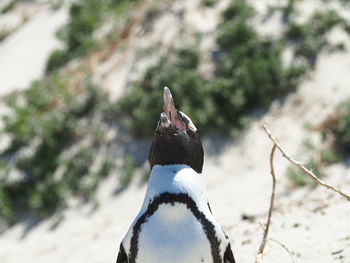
[{"x": 175, "y": 223}]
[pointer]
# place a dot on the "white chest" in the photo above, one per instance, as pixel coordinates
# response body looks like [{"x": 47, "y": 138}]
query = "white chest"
[{"x": 173, "y": 235}]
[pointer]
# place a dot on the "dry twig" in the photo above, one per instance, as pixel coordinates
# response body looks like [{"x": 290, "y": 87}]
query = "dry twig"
[
  {"x": 301, "y": 166},
  {"x": 278, "y": 146},
  {"x": 272, "y": 200},
  {"x": 285, "y": 248}
]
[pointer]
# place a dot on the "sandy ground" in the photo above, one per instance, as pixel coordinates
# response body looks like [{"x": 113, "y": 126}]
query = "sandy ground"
[
  {"x": 24, "y": 53},
  {"x": 311, "y": 223}
]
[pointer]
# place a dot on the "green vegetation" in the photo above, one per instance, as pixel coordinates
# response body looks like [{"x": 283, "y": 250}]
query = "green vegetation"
[
  {"x": 209, "y": 2},
  {"x": 52, "y": 125},
  {"x": 85, "y": 18},
  {"x": 47, "y": 128},
  {"x": 315, "y": 163},
  {"x": 78, "y": 35},
  {"x": 3, "y": 35},
  {"x": 140, "y": 105},
  {"x": 249, "y": 71},
  {"x": 288, "y": 10},
  {"x": 336, "y": 147},
  {"x": 57, "y": 59},
  {"x": 10, "y": 5},
  {"x": 298, "y": 178},
  {"x": 128, "y": 170},
  {"x": 249, "y": 75},
  {"x": 309, "y": 39},
  {"x": 335, "y": 129}
]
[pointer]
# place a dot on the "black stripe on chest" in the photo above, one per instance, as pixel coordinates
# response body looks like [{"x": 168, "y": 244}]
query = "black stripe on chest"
[{"x": 168, "y": 198}]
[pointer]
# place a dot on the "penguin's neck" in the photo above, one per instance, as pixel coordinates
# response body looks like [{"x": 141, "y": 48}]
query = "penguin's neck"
[{"x": 176, "y": 179}]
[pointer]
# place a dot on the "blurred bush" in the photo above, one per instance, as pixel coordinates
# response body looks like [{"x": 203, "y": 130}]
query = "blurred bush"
[
  {"x": 46, "y": 126},
  {"x": 249, "y": 75},
  {"x": 316, "y": 163},
  {"x": 143, "y": 103},
  {"x": 209, "y": 2},
  {"x": 78, "y": 35},
  {"x": 336, "y": 137},
  {"x": 10, "y": 5},
  {"x": 335, "y": 129},
  {"x": 309, "y": 39},
  {"x": 85, "y": 18},
  {"x": 128, "y": 170}
]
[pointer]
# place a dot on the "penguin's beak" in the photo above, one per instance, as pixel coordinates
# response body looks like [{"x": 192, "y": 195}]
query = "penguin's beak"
[{"x": 170, "y": 115}]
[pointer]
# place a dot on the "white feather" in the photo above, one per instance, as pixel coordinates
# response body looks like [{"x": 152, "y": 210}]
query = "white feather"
[{"x": 173, "y": 234}]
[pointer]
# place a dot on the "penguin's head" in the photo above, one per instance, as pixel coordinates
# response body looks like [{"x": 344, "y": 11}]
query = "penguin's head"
[{"x": 176, "y": 139}]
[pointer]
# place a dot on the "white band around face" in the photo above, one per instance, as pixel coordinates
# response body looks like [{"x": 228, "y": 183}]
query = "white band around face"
[{"x": 191, "y": 126}]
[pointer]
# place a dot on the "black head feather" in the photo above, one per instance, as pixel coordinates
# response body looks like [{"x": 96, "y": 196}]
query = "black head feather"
[{"x": 176, "y": 139}]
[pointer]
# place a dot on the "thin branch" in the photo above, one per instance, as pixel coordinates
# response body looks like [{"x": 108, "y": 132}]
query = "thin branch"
[
  {"x": 301, "y": 166},
  {"x": 285, "y": 248},
  {"x": 259, "y": 256},
  {"x": 272, "y": 200}
]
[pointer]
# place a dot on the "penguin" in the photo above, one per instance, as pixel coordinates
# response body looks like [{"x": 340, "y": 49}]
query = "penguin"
[{"x": 175, "y": 223}]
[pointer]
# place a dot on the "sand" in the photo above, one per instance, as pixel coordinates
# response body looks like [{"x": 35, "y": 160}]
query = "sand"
[{"x": 24, "y": 53}]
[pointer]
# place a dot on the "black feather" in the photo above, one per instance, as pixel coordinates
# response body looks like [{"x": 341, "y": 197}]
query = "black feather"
[
  {"x": 172, "y": 146},
  {"x": 228, "y": 256},
  {"x": 122, "y": 257}
]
